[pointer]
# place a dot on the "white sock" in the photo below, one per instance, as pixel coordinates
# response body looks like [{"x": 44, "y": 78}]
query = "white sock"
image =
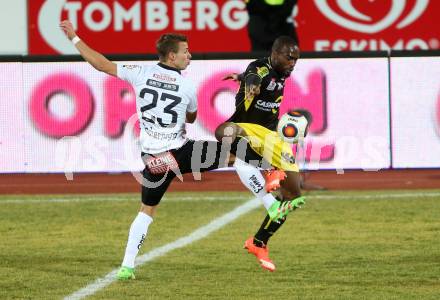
[
  {"x": 136, "y": 237},
  {"x": 252, "y": 178},
  {"x": 268, "y": 200}
]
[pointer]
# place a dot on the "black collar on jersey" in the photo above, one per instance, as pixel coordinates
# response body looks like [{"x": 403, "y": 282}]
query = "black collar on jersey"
[{"x": 168, "y": 67}]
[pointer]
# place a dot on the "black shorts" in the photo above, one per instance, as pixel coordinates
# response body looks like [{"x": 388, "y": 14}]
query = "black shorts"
[{"x": 161, "y": 168}]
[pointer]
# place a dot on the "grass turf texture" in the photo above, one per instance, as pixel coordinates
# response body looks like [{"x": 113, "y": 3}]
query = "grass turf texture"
[{"x": 341, "y": 245}]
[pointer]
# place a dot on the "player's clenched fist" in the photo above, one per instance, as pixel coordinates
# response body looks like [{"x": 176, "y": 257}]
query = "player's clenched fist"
[
  {"x": 67, "y": 27},
  {"x": 251, "y": 91}
]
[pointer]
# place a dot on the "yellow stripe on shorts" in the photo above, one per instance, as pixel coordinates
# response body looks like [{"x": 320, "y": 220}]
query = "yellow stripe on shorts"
[{"x": 269, "y": 145}]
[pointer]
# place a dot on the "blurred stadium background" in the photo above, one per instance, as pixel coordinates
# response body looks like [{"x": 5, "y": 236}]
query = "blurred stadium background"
[{"x": 371, "y": 78}]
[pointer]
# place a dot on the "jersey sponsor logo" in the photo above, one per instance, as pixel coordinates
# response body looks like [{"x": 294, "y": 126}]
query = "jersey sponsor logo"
[
  {"x": 395, "y": 11},
  {"x": 164, "y": 77},
  {"x": 130, "y": 67},
  {"x": 255, "y": 184},
  {"x": 267, "y": 106},
  {"x": 160, "y": 164},
  {"x": 262, "y": 71},
  {"x": 161, "y": 136},
  {"x": 163, "y": 85}
]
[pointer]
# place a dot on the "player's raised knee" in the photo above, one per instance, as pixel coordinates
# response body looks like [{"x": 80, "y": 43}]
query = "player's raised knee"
[
  {"x": 289, "y": 195},
  {"x": 226, "y": 130}
]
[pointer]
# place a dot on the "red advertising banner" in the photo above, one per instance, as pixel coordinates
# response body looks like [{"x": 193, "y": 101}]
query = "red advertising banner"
[
  {"x": 121, "y": 27},
  {"x": 132, "y": 27},
  {"x": 362, "y": 25}
]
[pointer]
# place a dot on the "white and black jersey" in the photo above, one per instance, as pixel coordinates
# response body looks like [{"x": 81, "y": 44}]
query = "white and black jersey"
[{"x": 163, "y": 96}]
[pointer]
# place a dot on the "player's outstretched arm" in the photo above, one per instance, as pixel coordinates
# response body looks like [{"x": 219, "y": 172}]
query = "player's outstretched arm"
[
  {"x": 96, "y": 59},
  {"x": 234, "y": 77}
]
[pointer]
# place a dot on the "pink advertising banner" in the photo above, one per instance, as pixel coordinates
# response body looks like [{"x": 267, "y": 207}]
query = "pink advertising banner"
[
  {"x": 415, "y": 92},
  {"x": 347, "y": 97},
  {"x": 12, "y": 110}
]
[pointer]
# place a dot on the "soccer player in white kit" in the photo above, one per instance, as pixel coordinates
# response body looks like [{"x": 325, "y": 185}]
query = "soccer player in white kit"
[{"x": 165, "y": 101}]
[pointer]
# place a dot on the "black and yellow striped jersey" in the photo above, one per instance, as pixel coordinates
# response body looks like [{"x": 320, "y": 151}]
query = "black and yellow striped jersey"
[{"x": 264, "y": 108}]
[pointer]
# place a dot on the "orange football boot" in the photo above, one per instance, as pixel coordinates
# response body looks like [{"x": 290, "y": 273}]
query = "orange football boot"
[
  {"x": 261, "y": 253},
  {"x": 273, "y": 178}
]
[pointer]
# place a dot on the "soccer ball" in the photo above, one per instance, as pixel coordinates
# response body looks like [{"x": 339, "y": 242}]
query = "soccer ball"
[{"x": 292, "y": 127}]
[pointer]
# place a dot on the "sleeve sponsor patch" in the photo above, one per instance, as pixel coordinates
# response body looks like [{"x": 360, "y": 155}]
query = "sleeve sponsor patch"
[{"x": 262, "y": 72}]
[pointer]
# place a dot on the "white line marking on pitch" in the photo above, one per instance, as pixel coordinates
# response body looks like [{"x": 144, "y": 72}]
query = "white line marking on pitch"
[
  {"x": 196, "y": 235},
  {"x": 214, "y": 198},
  {"x": 376, "y": 196}
]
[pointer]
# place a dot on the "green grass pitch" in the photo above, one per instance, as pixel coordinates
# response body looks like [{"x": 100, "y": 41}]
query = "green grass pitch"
[{"x": 341, "y": 245}]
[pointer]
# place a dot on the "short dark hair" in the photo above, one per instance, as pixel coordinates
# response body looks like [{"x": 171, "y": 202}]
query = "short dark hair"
[
  {"x": 169, "y": 42},
  {"x": 283, "y": 41}
]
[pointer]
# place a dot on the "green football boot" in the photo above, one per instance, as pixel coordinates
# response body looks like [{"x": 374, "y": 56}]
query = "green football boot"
[
  {"x": 126, "y": 273},
  {"x": 279, "y": 209}
]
